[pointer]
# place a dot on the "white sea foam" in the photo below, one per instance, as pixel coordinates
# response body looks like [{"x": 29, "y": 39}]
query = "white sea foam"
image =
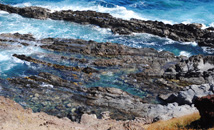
[
  {"x": 212, "y": 24},
  {"x": 184, "y": 53},
  {"x": 3, "y": 12},
  {"x": 208, "y": 50},
  {"x": 7, "y": 61},
  {"x": 189, "y": 43},
  {"x": 117, "y": 11},
  {"x": 140, "y": 3},
  {"x": 23, "y": 4},
  {"x": 16, "y": 60},
  {"x": 47, "y": 85},
  {"x": 4, "y": 57}
]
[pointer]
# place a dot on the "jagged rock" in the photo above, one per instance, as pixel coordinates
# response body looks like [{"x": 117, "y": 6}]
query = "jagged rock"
[
  {"x": 56, "y": 66},
  {"x": 16, "y": 37},
  {"x": 178, "y": 32},
  {"x": 162, "y": 73},
  {"x": 189, "y": 95},
  {"x": 153, "y": 66},
  {"x": 89, "y": 70},
  {"x": 205, "y": 105}
]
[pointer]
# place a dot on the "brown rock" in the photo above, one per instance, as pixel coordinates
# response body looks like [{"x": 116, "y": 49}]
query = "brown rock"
[{"x": 205, "y": 105}]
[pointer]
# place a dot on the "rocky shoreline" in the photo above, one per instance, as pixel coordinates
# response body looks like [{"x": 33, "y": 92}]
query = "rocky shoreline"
[
  {"x": 148, "y": 71},
  {"x": 177, "y": 32},
  {"x": 73, "y": 78}
]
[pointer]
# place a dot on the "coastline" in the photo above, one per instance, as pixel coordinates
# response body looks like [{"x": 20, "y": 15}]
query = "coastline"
[{"x": 67, "y": 75}]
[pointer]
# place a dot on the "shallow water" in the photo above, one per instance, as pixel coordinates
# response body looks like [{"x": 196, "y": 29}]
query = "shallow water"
[
  {"x": 12, "y": 23},
  {"x": 168, "y": 11}
]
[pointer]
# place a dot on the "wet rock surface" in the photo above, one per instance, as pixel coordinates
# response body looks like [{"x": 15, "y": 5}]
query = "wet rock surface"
[
  {"x": 205, "y": 106},
  {"x": 178, "y": 32},
  {"x": 111, "y": 98},
  {"x": 87, "y": 77}
]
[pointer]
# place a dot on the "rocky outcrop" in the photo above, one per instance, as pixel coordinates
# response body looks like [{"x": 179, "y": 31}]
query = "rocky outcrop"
[
  {"x": 16, "y": 37},
  {"x": 205, "y": 105},
  {"x": 196, "y": 69},
  {"x": 55, "y": 66},
  {"x": 95, "y": 48},
  {"x": 74, "y": 87},
  {"x": 178, "y": 32},
  {"x": 146, "y": 69},
  {"x": 189, "y": 95}
]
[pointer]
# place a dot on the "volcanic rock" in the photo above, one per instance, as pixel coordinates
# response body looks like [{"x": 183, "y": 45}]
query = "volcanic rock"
[{"x": 205, "y": 105}]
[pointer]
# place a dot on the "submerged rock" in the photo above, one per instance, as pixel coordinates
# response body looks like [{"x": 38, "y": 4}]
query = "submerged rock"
[
  {"x": 55, "y": 66},
  {"x": 146, "y": 69},
  {"x": 108, "y": 98}
]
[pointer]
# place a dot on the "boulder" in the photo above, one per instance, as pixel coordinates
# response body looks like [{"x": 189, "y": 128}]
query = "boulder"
[
  {"x": 205, "y": 105},
  {"x": 189, "y": 95}
]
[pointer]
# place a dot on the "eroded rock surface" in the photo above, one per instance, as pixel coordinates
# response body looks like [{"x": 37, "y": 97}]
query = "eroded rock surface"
[{"x": 71, "y": 70}]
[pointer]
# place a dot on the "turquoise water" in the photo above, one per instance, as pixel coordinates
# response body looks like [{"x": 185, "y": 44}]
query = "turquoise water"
[{"x": 168, "y": 11}]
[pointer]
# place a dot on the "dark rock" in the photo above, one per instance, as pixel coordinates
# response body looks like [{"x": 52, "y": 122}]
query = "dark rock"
[
  {"x": 152, "y": 71},
  {"x": 111, "y": 98},
  {"x": 205, "y": 105},
  {"x": 16, "y": 37},
  {"x": 55, "y": 66},
  {"x": 178, "y": 32},
  {"x": 89, "y": 70}
]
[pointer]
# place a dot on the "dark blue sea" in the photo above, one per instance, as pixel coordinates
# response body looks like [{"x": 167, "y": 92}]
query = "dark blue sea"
[{"x": 167, "y": 11}]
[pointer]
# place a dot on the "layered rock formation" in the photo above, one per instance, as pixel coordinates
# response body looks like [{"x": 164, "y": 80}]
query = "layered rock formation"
[
  {"x": 178, "y": 32},
  {"x": 69, "y": 85},
  {"x": 71, "y": 69}
]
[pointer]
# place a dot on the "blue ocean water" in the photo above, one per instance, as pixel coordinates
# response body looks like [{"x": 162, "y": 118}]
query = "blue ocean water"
[
  {"x": 168, "y": 11},
  {"x": 171, "y": 11}
]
